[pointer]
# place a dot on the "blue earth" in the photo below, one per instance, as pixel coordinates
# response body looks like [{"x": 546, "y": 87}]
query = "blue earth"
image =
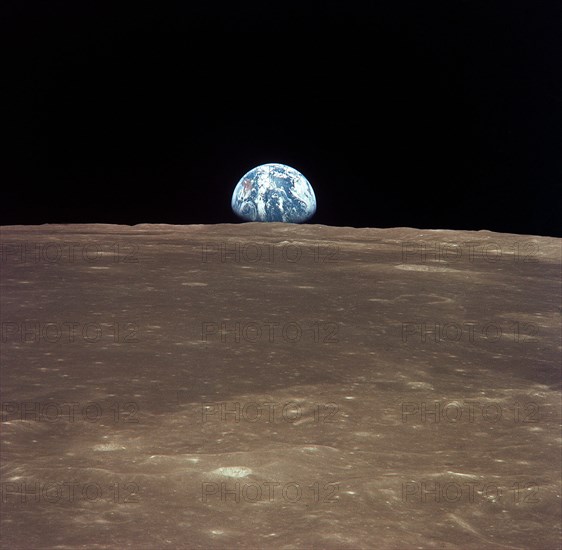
[{"x": 274, "y": 193}]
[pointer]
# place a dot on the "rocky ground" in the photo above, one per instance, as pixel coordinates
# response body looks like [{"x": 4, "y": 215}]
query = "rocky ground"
[{"x": 279, "y": 386}]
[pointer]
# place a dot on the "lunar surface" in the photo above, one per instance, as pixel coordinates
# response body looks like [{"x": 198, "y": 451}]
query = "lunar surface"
[{"x": 279, "y": 386}]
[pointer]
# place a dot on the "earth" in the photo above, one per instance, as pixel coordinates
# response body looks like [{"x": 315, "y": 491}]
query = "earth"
[{"x": 274, "y": 193}]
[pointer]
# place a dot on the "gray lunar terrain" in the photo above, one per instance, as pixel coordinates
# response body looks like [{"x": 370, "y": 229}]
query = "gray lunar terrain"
[{"x": 279, "y": 386}]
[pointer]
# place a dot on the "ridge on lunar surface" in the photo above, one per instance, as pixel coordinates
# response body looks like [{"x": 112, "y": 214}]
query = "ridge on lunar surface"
[{"x": 279, "y": 386}]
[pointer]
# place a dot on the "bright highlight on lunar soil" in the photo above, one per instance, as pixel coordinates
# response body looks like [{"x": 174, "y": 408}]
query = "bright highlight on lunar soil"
[{"x": 274, "y": 193}]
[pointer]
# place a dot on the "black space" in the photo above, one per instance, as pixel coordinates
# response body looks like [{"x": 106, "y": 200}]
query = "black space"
[{"x": 400, "y": 113}]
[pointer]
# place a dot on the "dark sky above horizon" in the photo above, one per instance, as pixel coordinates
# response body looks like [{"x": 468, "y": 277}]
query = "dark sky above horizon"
[{"x": 403, "y": 113}]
